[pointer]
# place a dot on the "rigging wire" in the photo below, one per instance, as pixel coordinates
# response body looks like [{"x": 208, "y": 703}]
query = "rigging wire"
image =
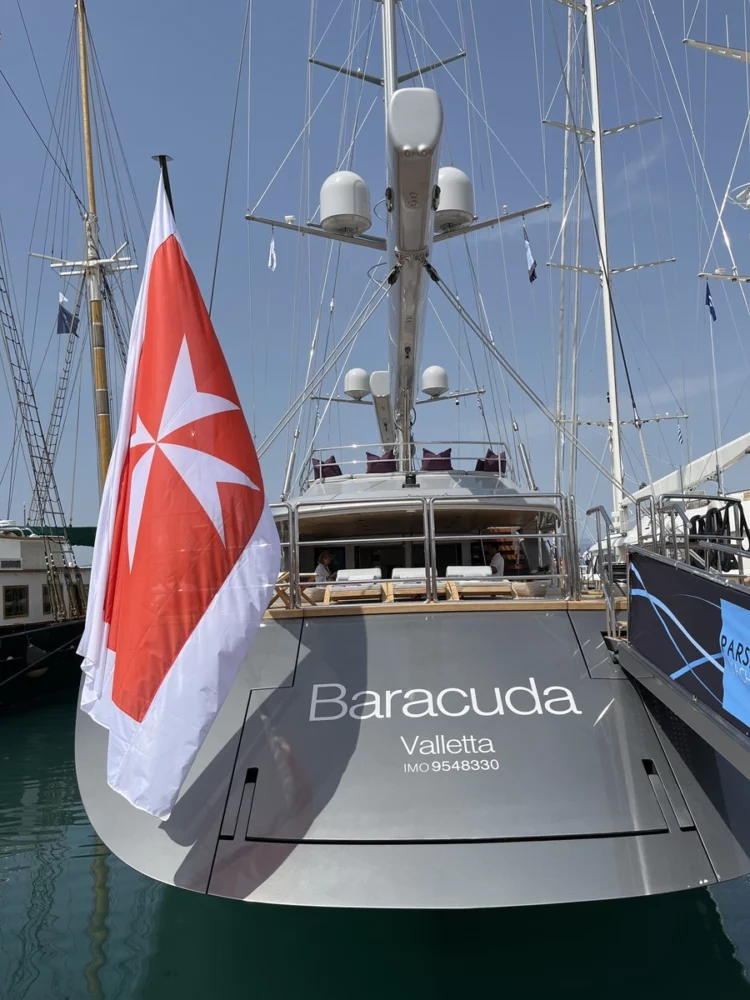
[
  {"x": 655, "y": 229},
  {"x": 499, "y": 414},
  {"x": 303, "y": 130},
  {"x": 245, "y": 33},
  {"x": 701, "y": 158},
  {"x": 351, "y": 331},
  {"x": 492, "y": 132},
  {"x": 626, "y": 181},
  {"x": 471, "y": 357},
  {"x": 521, "y": 382},
  {"x": 598, "y": 235},
  {"x": 313, "y": 419},
  {"x": 483, "y": 117},
  {"x": 44, "y": 92},
  {"x": 700, "y": 154},
  {"x": 111, "y": 118},
  {"x": 39, "y": 136}
]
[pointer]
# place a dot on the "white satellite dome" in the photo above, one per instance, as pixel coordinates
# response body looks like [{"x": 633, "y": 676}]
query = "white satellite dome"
[
  {"x": 434, "y": 381},
  {"x": 357, "y": 383},
  {"x": 345, "y": 204},
  {"x": 456, "y": 203}
]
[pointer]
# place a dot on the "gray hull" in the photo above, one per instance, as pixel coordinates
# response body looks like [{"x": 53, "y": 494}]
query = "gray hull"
[{"x": 428, "y": 759}]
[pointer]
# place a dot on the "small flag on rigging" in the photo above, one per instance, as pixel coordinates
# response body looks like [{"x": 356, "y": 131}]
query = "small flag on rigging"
[
  {"x": 272, "y": 253},
  {"x": 679, "y": 433},
  {"x": 530, "y": 262},
  {"x": 710, "y": 303},
  {"x": 66, "y": 322}
]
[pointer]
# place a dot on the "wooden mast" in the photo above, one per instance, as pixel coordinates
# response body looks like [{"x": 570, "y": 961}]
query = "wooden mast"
[{"x": 93, "y": 267}]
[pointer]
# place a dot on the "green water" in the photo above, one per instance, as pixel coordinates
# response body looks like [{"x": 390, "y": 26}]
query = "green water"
[{"x": 76, "y": 923}]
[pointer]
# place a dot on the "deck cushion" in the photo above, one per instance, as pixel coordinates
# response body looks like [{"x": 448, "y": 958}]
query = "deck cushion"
[
  {"x": 381, "y": 463},
  {"x": 436, "y": 462}
]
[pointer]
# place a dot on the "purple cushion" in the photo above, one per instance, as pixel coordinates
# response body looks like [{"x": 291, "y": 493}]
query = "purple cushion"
[
  {"x": 440, "y": 462},
  {"x": 382, "y": 463},
  {"x": 327, "y": 468},
  {"x": 492, "y": 462}
]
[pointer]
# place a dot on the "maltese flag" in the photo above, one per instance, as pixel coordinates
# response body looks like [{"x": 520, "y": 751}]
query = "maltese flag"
[{"x": 187, "y": 552}]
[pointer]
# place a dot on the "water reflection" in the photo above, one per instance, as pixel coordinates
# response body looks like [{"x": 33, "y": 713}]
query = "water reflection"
[{"x": 76, "y": 923}]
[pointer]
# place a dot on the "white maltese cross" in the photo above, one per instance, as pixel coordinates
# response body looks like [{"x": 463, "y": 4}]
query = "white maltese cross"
[{"x": 199, "y": 470}]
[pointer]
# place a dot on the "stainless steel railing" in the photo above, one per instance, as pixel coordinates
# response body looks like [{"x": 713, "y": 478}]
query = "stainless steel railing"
[
  {"x": 351, "y": 458},
  {"x": 545, "y": 520},
  {"x": 606, "y": 572}
]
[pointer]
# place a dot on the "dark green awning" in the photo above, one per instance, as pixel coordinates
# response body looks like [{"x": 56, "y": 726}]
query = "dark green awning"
[{"x": 75, "y": 535}]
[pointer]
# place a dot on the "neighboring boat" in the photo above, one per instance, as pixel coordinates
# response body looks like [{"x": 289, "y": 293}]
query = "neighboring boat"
[
  {"x": 43, "y": 595},
  {"x": 44, "y": 591},
  {"x": 689, "y": 614}
]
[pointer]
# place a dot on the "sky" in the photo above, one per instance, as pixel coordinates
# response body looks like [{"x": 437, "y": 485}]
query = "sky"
[{"x": 170, "y": 70}]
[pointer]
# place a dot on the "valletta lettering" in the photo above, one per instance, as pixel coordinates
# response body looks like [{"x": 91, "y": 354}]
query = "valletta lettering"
[{"x": 439, "y": 745}]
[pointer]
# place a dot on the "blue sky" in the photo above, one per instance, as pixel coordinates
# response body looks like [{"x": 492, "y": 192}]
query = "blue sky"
[{"x": 170, "y": 70}]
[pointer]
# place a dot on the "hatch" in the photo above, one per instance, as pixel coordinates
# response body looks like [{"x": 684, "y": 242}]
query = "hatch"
[{"x": 445, "y": 727}]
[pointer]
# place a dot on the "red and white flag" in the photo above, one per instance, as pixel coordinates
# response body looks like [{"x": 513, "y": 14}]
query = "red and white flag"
[{"x": 187, "y": 553}]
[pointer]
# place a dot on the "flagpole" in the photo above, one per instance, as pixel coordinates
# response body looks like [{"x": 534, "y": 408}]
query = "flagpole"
[
  {"x": 93, "y": 267},
  {"x": 162, "y": 159}
]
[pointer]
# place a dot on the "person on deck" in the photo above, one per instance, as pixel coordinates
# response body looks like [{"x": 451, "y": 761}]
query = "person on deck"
[
  {"x": 323, "y": 575},
  {"x": 497, "y": 563}
]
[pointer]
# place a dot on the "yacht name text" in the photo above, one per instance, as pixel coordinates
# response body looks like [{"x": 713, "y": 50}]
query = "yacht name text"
[{"x": 331, "y": 701}]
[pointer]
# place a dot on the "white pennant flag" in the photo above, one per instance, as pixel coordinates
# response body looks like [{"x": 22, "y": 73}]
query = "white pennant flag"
[{"x": 272, "y": 255}]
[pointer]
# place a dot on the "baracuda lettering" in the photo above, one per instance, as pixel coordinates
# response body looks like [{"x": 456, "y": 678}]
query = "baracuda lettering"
[{"x": 330, "y": 702}]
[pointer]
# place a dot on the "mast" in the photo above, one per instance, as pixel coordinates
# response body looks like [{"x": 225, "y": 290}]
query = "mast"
[
  {"x": 575, "y": 339},
  {"x": 93, "y": 268},
  {"x": 559, "y": 436},
  {"x": 390, "y": 66},
  {"x": 413, "y": 127},
  {"x": 601, "y": 221}
]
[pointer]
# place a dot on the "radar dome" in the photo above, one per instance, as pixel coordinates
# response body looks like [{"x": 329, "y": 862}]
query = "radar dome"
[
  {"x": 456, "y": 202},
  {"x": 345, "y": 204},
  {"x": 434, "y": 381},
  {"x": 357, "y": 383}
]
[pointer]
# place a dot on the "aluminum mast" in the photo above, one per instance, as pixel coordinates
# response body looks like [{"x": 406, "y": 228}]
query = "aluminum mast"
[
  {"x": 414, "y": 124},
  {"x": 618, "y": 493}
]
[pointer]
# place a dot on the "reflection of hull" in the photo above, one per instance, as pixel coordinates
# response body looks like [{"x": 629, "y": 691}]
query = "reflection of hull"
[
  {"x": 38, "y": 660},
  {"x": 341, "y": 771}
]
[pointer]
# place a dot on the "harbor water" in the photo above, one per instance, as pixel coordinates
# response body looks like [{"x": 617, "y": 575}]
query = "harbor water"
[{"x": 77, "y": 923}]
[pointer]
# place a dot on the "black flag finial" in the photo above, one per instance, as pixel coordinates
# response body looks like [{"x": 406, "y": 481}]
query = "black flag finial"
[{"x": 162, "y": 159}]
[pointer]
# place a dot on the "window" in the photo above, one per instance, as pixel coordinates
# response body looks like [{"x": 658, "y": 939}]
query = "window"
[
  {"x": 46, "y": 600},
  {"x": 15, "y": 602}
]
